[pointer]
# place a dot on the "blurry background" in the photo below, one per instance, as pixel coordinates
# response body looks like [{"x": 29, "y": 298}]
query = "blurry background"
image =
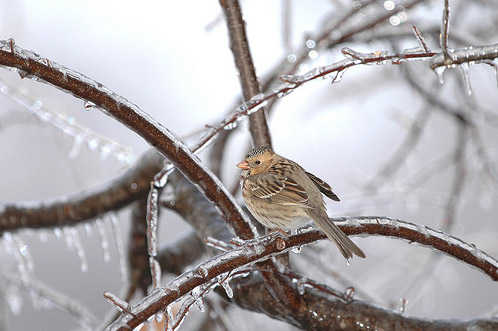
[{"x": 172, "y": 59}]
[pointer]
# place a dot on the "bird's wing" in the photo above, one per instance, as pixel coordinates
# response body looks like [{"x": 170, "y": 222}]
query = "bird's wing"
[
  {"x": 323, "y": 187},
  {"x": 277, "y": 189}
]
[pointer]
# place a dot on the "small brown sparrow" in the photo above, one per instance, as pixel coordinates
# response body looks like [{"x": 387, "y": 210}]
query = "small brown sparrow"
[{"x": 281, "y": 194}]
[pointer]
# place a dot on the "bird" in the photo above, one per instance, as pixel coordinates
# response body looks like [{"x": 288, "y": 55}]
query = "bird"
[{"x": 280, "y": 194}]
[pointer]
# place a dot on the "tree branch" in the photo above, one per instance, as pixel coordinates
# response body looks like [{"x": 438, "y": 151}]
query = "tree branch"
[
  {"x": 32, "y": 65},
  {"x": 245, "y": 66},
  {"x": 82, "y": 206}
]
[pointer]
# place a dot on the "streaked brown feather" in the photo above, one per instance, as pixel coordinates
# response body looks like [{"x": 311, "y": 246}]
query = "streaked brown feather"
[
  {"x": 280, "y": 190},
  {"x": 323, "y": 186}
]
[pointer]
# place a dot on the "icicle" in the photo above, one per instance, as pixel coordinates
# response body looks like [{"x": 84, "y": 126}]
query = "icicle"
[
  {"x": 118, "y": 241},
  {"x": 58, "y": 233},
  {"x": 440, "y": 74},
  {"x": 155, "y": 270},
  {"x": 105, "y": 150},
  {"x": 14, "y": 299},
  {"x": 464, "y": 68},
  {"x": 79, "y": 249},
  {"x": 198, "y": 299},
  {"x": 301, "y": 287},
  {"x": 35, "y": 299},
  {"x": 75, "y": 150},
  {"x": 226, "y": 285},
  {"x": 495, "y": 66},
  {"x": 104, "y": 244},
  {"x": 88, "y": 229},
  {"x": 170, "y": 318}
]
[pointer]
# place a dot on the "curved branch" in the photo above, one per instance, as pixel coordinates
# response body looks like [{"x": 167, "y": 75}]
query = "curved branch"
[
  {"x": 32, "y": 65},
  {"x": 79, "y": 207},
  {"x": 270, "y": 245}
]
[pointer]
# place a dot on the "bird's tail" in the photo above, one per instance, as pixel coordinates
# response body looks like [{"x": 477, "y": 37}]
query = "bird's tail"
[{"x": 343, "y": 243}]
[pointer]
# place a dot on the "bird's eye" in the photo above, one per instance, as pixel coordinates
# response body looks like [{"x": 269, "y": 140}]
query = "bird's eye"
[{"x": 258, "y": 162}]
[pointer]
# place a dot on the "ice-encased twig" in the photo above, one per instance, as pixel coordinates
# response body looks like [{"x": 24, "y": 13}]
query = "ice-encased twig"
[
  {"x": 80, "y": 312},
  {"x": 470, "y": 55},
  {"x": 68, "y": 126}
]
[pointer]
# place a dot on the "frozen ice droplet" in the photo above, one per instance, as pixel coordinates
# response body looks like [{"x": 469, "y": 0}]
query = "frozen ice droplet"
[
  {"x": 230, "y": 126},
  {"x": 440, "y": 74},
  {"x": 88, "y": 105},
  {"x": 301, "y": 287},
  {"x": 464, "y": 68}
]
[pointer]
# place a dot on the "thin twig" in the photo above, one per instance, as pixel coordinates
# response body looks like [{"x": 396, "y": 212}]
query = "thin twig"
[{"x": 445, "y": 28}]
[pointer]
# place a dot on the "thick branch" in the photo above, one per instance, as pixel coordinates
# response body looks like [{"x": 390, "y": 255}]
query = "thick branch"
[
  {"x": 327, "y": 312},
  {"x": 82, "y": 206}
]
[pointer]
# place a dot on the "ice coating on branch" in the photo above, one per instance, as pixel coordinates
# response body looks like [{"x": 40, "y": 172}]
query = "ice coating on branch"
[
  {"x": 161, "y": 178},
  {"x": 125, "y": 106},
  {"x": 433, "y": 233},
  {"x": 104, "y": 244},
  {"x": 118, "y": 240},
  {"x": 318, "y": 72},
  {"x": 120, "y": 304},
  {"x": 152, "y": 219}
]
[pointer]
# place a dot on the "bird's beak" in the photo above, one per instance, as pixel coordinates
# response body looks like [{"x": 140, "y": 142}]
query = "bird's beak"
[{"x": 243, "y": 165}]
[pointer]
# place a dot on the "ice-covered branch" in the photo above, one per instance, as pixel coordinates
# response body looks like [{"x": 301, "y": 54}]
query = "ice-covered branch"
[
  {"x": 243, "y": 61},
  {"x": 265, "y": 247},
  {"x": 31, "y": 65},
  {"x": 82, "y": 206},
  {"x": 329, "y": 312},
  {"x": 472, "y": 55}
]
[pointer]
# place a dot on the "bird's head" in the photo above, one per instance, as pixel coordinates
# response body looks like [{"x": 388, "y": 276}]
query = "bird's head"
[{"x": 258, "y": 160}]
